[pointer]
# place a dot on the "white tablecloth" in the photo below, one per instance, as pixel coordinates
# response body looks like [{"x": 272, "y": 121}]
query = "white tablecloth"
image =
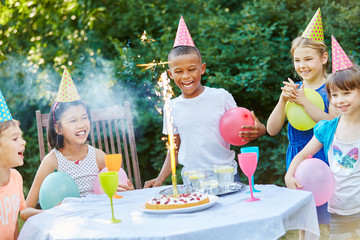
[{"x": 280, "y": 209}]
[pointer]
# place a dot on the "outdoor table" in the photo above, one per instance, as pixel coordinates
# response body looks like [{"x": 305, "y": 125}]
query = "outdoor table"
[{"x": 279, "y": 210}]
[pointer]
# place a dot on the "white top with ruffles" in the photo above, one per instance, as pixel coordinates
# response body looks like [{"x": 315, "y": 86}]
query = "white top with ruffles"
[{"x": 84, "y": 172}]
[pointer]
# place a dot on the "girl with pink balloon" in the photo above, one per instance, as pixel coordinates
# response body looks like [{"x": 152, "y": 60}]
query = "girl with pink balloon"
[
  {"x": 310, "y": 59},
  {"x": 69, "y": 128},
  {"x": 341, "y": 141}
]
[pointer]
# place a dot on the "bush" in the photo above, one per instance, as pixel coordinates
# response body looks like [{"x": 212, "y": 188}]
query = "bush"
[{"x": 245, "y": 45}]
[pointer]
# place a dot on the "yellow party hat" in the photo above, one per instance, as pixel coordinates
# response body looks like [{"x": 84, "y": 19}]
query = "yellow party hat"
[
  {"x": 314, "y": 30},
  {"x": 67, "y": 90}
]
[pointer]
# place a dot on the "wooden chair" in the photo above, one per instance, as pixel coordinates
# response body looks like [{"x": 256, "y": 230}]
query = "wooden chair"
[{"x": 114, "y": 133}]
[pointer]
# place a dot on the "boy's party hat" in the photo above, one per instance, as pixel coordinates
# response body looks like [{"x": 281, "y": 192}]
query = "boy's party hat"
[
  {"x": 5, "y": 114},
  {"x": 183, "y": 36},
  {"x": 314, "y": 30},
  {"x": 340, "y": 60},
  {"x": 67, "y": 90}
]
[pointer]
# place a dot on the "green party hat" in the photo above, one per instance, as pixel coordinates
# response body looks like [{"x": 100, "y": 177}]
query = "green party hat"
[
  {"x": 67, "y": 90},
  {"x": 314, "y": 30}
]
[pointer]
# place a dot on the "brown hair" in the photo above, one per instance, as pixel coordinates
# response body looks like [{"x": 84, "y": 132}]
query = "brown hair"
[
  {"x": 318, "y": 46},
  {"x": 10, "y": 123},
  {"x": 347, "y": 79}
]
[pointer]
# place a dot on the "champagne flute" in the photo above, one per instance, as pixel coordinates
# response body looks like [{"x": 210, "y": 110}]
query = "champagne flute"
[
  {"x": 256, "y": 150},
  {"x": 248, "y": 163},
  {"x": 113, "y": 163},
  {"x": 109, "y": 182}
]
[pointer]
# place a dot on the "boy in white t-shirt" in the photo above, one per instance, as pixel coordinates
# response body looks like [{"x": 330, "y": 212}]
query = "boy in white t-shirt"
[{"x": 197, "y": 112}]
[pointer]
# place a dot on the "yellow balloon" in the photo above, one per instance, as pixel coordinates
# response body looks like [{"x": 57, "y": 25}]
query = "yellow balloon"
[{"x": 297, "y": 116}]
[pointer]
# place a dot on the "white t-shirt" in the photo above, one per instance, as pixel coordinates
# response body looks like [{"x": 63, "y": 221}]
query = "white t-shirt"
[
  {"x": 344, "y": 162},
  {"x": 197, "y": 121}
]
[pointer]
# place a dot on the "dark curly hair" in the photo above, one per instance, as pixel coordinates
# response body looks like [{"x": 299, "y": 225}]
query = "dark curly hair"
[{"x": 183, "y": 50}]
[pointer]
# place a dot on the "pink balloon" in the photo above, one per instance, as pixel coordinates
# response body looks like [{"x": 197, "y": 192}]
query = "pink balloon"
[
  {"x": 315, "y": 176},
  {"x": 231, "y": 123},
  {"x": 122, "y": 180}
]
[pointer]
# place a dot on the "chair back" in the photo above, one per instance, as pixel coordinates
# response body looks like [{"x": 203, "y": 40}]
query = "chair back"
[{"x": 111, "y": 131}]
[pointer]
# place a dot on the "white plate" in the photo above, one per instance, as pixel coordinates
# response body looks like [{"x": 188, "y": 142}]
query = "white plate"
[{"x": 212, "y": 201}]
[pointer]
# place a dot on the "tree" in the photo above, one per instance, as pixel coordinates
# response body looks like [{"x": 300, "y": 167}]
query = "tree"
[{"x": 245, "y": 45}]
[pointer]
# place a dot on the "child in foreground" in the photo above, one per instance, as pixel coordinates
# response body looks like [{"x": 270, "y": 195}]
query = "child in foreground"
[
  {"x": 69, "y": 128},
  {"x": 196, "y": 114},
  {"x": 341, "y": 141},
  {"x": 12, "y": 147}
]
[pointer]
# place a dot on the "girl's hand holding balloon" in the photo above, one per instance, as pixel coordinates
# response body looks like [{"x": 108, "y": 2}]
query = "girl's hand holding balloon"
[
  {"x": 127, "y": 187},
  {"x": 255, "y": 131},
  {"x": 291, "y": 182}
]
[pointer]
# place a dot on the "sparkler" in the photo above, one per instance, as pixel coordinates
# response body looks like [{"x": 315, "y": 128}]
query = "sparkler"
[
  {"x": 167, "y": 93},
  {"x": 163, "y": 89}
]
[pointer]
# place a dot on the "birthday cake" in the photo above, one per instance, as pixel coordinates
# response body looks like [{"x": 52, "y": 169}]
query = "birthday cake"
[{"x": 182, "y": 201}]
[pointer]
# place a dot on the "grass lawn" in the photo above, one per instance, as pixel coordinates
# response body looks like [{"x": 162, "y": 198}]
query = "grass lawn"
[{"x": 294, "y": 234}]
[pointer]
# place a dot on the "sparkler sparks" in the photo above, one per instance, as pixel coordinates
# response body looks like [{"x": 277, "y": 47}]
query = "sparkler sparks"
[
  {"x": 163, "y": 89},
  {"x": 145, "y": 39},
  {"x": 151, "y": 65},
  {"x": 167, "y": 93}
]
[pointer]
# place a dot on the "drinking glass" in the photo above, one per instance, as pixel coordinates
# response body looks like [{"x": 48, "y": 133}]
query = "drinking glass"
[
  {"x": 185, "y": 179},
  {"x": 248, "y": 164},
  {"x": 208, "y": 181},
  {"x": 225, "y": 175},
  {"x": 256, "y": 150},
  {"x": 113, "y": 163},
  {"x": 109, "y": 182},
  {"x": 194, "y": 179}
]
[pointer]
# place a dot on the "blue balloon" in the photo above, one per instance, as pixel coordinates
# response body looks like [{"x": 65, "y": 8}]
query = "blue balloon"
[{"x": 55, "y": 188}]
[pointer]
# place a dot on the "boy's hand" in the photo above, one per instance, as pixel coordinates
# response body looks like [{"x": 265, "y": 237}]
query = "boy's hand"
[
  {"x": 152, "y": 183},
  {"x": 255, "y": 131},
  {"x": 122, "y": 187}
]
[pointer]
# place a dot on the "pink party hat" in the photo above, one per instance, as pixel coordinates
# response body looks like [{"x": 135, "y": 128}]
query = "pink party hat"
[
  {"x": 183, "y": 36},
  {"x": 314, "y": 30},
  {"x": 340, "y": 60},
  {"x": 67, "y": 90},
  {"x": 5, "y": 114}
]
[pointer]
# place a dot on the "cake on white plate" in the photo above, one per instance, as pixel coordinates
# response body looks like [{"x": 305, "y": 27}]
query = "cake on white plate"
[{"x": 184, "y": 200}]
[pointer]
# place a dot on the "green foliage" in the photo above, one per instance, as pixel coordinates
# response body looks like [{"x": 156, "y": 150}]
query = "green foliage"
[{"x": 245, "y": 45}]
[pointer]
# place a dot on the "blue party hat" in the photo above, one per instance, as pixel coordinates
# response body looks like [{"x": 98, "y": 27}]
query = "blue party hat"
[{"x": 5, "y": 114}]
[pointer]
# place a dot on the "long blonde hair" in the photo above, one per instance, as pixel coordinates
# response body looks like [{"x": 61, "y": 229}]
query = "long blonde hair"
[
  {"x": 318, "y": 46},
  {"x": 5, "y": 125}
]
